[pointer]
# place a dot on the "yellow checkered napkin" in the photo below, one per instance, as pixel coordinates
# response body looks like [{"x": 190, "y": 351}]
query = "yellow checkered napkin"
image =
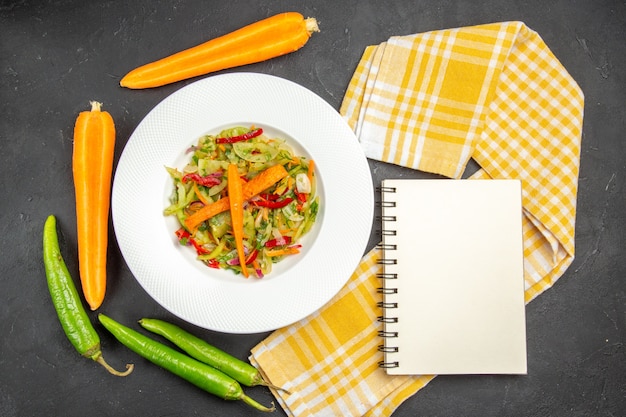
[
  {"x": 329, "y": 361},
  {"x": 432, "y": 101}
]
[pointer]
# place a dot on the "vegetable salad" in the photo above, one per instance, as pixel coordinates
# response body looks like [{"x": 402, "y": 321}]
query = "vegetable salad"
[{"x": 275, "y": 217}]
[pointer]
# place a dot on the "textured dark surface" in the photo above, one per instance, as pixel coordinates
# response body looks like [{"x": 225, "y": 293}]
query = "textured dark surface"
[{"x": 56, "y": 56}]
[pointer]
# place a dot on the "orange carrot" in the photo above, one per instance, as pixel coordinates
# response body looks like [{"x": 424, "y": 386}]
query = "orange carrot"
[
  {"x": 207, "y": 212},
  {"x": 310, "y": 171},
  {"x": 92, "y": 165},
  {"x": 268, "y": 38},
  {"x": 235, "y": 194},
  {"x": 280, "y": 252},
  {"x": 251, "y": 188},
  {"x": 257, "y": 268},
  {"x": 200, "y": 196}
]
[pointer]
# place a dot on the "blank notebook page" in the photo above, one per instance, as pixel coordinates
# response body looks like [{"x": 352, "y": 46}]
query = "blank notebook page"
[{"x": 460, "y": 285}]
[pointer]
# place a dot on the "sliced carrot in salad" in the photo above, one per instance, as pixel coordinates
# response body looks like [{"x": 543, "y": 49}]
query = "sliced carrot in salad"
[
  {"x": 310, "y": 171},
  {"x": 282, "y": 252},
  {"x": 235, "y": 194},
  {"x": 251, "y": 188}
]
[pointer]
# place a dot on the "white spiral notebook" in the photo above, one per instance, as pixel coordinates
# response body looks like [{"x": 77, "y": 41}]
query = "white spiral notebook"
[{"x": 453, "y": 279}]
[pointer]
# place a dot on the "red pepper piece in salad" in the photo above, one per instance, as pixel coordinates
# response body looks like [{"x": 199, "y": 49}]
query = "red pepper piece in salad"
[
  {"x": 184, "y": 237},
  {"x": 251, "y": 134},
  {"x": 213, "y": 263},
  {"x": 182, "y": 234},
  {"x": 207, "y": 181},
  {"x": 252, "y": 257},
  {"x": 272, "y": 204},
  {"x": 281, "y": 241},
  {"x": 270, "y": 197},
  {"x": 301, "y": 197}
]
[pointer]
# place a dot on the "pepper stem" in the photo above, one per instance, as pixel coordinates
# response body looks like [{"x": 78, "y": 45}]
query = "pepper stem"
[
  {"x": 256, "y": 405},
  {"x": 267, "y": 384},
  {"x": 129, "y": 367},
  {"x": 259, "y": 379}
]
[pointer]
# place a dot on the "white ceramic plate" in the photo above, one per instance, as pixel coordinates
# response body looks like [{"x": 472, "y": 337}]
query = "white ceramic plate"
[{"x": 216, "y": 299}]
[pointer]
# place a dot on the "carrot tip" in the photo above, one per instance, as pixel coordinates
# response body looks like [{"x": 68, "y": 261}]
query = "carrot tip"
[
  {"x": 94, "y": 305},
  {"x": 124, "y": 83}
]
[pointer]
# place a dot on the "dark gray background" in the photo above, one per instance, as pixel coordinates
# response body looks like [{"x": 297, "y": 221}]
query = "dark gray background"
[{"x": 56, "y": 56}]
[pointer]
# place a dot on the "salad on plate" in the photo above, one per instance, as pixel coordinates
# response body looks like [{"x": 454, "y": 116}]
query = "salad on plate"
[{"x": 280, "y": 203}]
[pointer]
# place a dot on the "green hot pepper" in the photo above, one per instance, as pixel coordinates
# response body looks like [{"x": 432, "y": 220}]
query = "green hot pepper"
[
  {"x": 241, "y": 371},
  {"x": 67, "y": 303},
  {"x": 200, "y": 374}
]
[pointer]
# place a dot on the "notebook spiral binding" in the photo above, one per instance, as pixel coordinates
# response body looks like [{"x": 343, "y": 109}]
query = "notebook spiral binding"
[{"x": 385, "y": 276}]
